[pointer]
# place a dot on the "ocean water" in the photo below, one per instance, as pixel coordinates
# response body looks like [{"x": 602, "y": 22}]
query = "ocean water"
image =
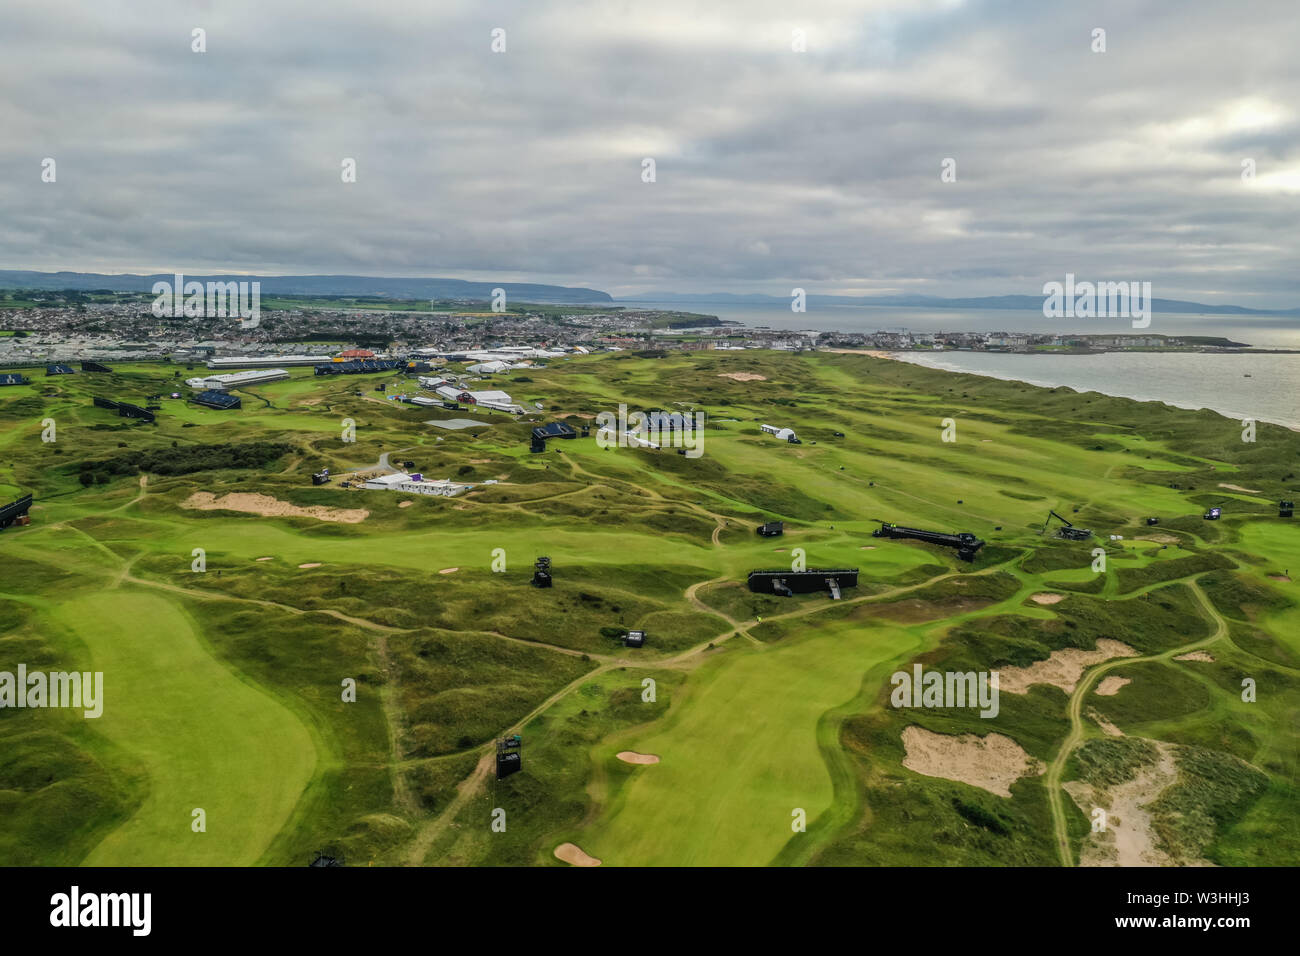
[
  {"x": 1263, "y": 387},
  {"x": 1239, "y": 385}
]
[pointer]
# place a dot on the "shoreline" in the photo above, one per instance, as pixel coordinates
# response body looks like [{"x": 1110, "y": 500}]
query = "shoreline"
[{"x": 899, "y": 355}]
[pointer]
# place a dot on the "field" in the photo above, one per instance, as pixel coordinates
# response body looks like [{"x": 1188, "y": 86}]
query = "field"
[{"x": 229, "y": 639}]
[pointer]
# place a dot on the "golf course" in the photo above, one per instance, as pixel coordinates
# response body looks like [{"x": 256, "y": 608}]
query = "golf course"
[{"x": 292, "y": 669}]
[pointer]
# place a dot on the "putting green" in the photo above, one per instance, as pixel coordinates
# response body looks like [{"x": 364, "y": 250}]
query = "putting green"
[{"x": 205, "y": 738}]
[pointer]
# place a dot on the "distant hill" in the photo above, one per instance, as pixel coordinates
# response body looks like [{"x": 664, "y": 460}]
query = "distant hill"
[
  {"x": 316, "y": 285},
  {"x": 1009, "y": 302}
]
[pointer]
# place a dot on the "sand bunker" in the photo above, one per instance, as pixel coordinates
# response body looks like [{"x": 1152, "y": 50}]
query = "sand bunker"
[
  {"x": 1279, "y": 577},
  {"x": 1063, "y": 669},
  {"x": 448, "y": 570},
  {"x": 1204, "y": 656},
  {"x": 310, "y": 564},
  {"x": 405, "y": 504},
  {"x": 1046, "y": 598},
  {"x": 1110, "y": 686},
  {"x": 631, "y": 756},
  {"x": 1249, "y": 491},
  {"x": 743, "y": 376},
  {"x": 1128, "y": 839},
  {"x": 265, "y": 559},
  {"x": 992, "y": 763},
  {"x": 867, "y": 547},
  {"x": 269, "y": 507},
  {"x": 574, "y": 854},
  {"x": 1159, "y": 538}
]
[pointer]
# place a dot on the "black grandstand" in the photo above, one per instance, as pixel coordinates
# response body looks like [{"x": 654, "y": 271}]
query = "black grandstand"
[
  {"x": 125, "y": 409},
  {"x": 789, "y": 583},
  {"x": 772, "y": 529},
  {"x": 94, "y": 367},
  {"x": 14, "y": 511},
  {"x": 14, "y": 378},
  {"x": 554, "y": 430},
  {"x": 361, "y": 367},
  {"x": 219, "y": 400},
  {"x": 59, "y": 370}
]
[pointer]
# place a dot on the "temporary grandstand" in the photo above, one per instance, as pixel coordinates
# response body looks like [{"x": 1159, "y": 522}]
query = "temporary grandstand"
[
  {"x": 125, "y": 409},
  {"x": 219, "y": 400},
  {"x": 360, "y": 366},
  {"x": 789, "y": 583},
  {"x": 965, "y": 542},
  {"x": 15, "y": 512},
  {"x": 14, "y": 378},
  {"x": 59, "y": 370},
  {"x": 94, "y": 367}
]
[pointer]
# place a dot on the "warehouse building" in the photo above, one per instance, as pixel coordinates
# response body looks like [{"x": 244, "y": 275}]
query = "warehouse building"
[{"x": 223, "y": 383}]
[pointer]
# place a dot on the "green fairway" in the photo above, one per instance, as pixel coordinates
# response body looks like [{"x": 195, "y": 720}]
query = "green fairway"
[
  {"x": 741, "y": 755},
  {"x": 206, "y": 739}
]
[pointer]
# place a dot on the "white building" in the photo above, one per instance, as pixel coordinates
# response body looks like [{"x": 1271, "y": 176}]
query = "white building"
[
  {"x": 222, "y": 383},
  {"x": 785, "y": 434},
  {"x": 265, "y": 361},
  {"x": 489, "y": 368},
  {"x": 415, "y": 484}
]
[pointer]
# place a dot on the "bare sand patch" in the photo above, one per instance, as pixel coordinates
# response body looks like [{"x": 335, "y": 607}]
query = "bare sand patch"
[
  {"x": 405, "y": 504},
  {"x": 1046, "y": 598},
  {"x": 1159, "y": 538},
  {"x": 267, "y": 558},
  {"x": 631, "y": 756},
  {"x": 573, "y": 854},
  {"x": 269, "y": 507},
  {"x": 1107, "y": 728},
  {"x": 1204, "y": 656},
  {"x": 1128, "y": 839},
  {"x": 310, "y": 564},
  {"x": 1063, "y": 669},
  {"x": 992, "y": 763},
  {"x": 448, "y": 570},
  {"x": 1249, "y": 491},
  {"x": 1110, "y": 686},
  {"x": 1280, "y": 577},
  {"x": 867, "y": 547},
  {"x": 874, "y": 353},
  {"x": 743, "y": 376}
]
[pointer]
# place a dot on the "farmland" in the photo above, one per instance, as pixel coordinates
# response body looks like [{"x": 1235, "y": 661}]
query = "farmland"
[{"x": 227, "y": 638}]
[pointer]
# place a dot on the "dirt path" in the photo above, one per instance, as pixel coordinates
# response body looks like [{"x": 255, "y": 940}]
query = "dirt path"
[{"x": 1055, "y": 789}]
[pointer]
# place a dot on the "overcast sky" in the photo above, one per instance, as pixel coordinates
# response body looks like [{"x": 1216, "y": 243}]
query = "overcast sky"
[{"x": 774, "y": 168}]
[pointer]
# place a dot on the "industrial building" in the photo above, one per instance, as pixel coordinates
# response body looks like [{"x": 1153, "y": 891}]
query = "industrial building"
[
  {"x": 222, "y": 383},
  {"x": 262, "y": 361}
]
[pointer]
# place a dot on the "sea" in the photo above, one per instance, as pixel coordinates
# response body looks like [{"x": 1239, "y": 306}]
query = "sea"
[{"x": 1265, "y": 387}]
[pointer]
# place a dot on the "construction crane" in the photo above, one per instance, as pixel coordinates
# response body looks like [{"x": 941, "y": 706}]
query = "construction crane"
[{"x": 1067, "y": 529}]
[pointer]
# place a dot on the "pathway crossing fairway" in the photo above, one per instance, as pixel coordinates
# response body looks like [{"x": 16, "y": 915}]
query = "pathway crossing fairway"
[
  {"x": 742, "y": 754},
  {"x": 205, "y": 738}
]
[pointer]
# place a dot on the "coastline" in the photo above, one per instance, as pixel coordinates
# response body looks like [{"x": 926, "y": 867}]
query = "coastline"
[{"x": 1146, "y": 391}]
